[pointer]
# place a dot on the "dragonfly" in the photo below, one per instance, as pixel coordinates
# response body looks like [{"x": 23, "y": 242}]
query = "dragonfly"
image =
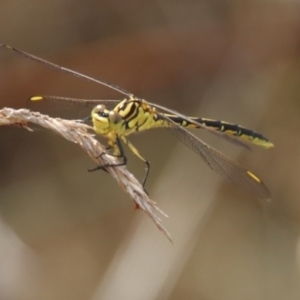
[{"x": 117, "y": 119}]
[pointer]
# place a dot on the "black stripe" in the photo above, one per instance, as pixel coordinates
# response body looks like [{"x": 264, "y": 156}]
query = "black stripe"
[
  {"x": 132, "y": 114},
  {"x": 131, "y": 111}
]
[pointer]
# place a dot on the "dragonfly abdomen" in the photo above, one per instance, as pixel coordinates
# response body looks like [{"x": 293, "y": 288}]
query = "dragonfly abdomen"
[{"x": 228, "y": 128}]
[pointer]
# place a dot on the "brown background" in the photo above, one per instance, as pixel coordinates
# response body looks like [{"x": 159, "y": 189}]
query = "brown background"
[{"x": 69, "y": 234}]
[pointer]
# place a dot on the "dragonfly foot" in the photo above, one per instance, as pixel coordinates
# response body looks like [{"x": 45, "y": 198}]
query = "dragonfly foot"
[{"x": 97, "y": 168}]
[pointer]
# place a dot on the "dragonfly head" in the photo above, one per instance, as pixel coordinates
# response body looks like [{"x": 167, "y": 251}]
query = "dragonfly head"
[{"x": 104, "y": 119}]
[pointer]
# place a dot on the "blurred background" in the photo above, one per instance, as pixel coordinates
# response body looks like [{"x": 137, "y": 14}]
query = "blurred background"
[{"x": 69, "y": 234}]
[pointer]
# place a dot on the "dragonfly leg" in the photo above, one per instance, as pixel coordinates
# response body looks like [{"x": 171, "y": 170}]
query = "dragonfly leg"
[
  {"x": 121, "y": 155},
  {"x": 106, "y": 148},
  {"x": 136, "y": 152}
]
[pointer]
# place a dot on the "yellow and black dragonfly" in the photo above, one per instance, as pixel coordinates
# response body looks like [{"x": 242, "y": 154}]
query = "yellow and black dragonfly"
[{"x": 115, "y": 120}]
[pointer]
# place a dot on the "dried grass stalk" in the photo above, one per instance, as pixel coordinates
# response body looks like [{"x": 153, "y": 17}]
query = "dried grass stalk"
[{"x": 80, "y": 134}]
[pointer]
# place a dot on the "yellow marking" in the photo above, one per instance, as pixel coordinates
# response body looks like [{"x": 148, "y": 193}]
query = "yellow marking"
[
  {"x": 254, "y": 176},
  {"x": 36, "y": 98},
  {"x": 191, "y": 125},
  {"x": 228, "y": 131},
  {"x": 132, "y": 123},
  {"x": 206, "y": 119}
]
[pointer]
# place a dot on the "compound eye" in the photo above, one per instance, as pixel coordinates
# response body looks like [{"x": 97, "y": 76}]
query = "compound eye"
[
  {"x": 100, "y": 110},
  {"x": 114, "y": 117}
]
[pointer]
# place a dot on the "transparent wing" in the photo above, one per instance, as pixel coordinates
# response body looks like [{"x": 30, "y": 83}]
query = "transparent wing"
[
  {"x": 68, "y": 108},
  {"x": 231, "y": 139},
  {"x": 220, "y": 163}
]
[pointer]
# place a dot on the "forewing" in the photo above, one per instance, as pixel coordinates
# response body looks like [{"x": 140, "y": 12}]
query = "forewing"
[{"x": 67, "y": 108}]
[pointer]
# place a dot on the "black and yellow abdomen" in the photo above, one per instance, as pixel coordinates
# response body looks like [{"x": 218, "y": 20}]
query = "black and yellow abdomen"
[{"x": 228, "y": 128}]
